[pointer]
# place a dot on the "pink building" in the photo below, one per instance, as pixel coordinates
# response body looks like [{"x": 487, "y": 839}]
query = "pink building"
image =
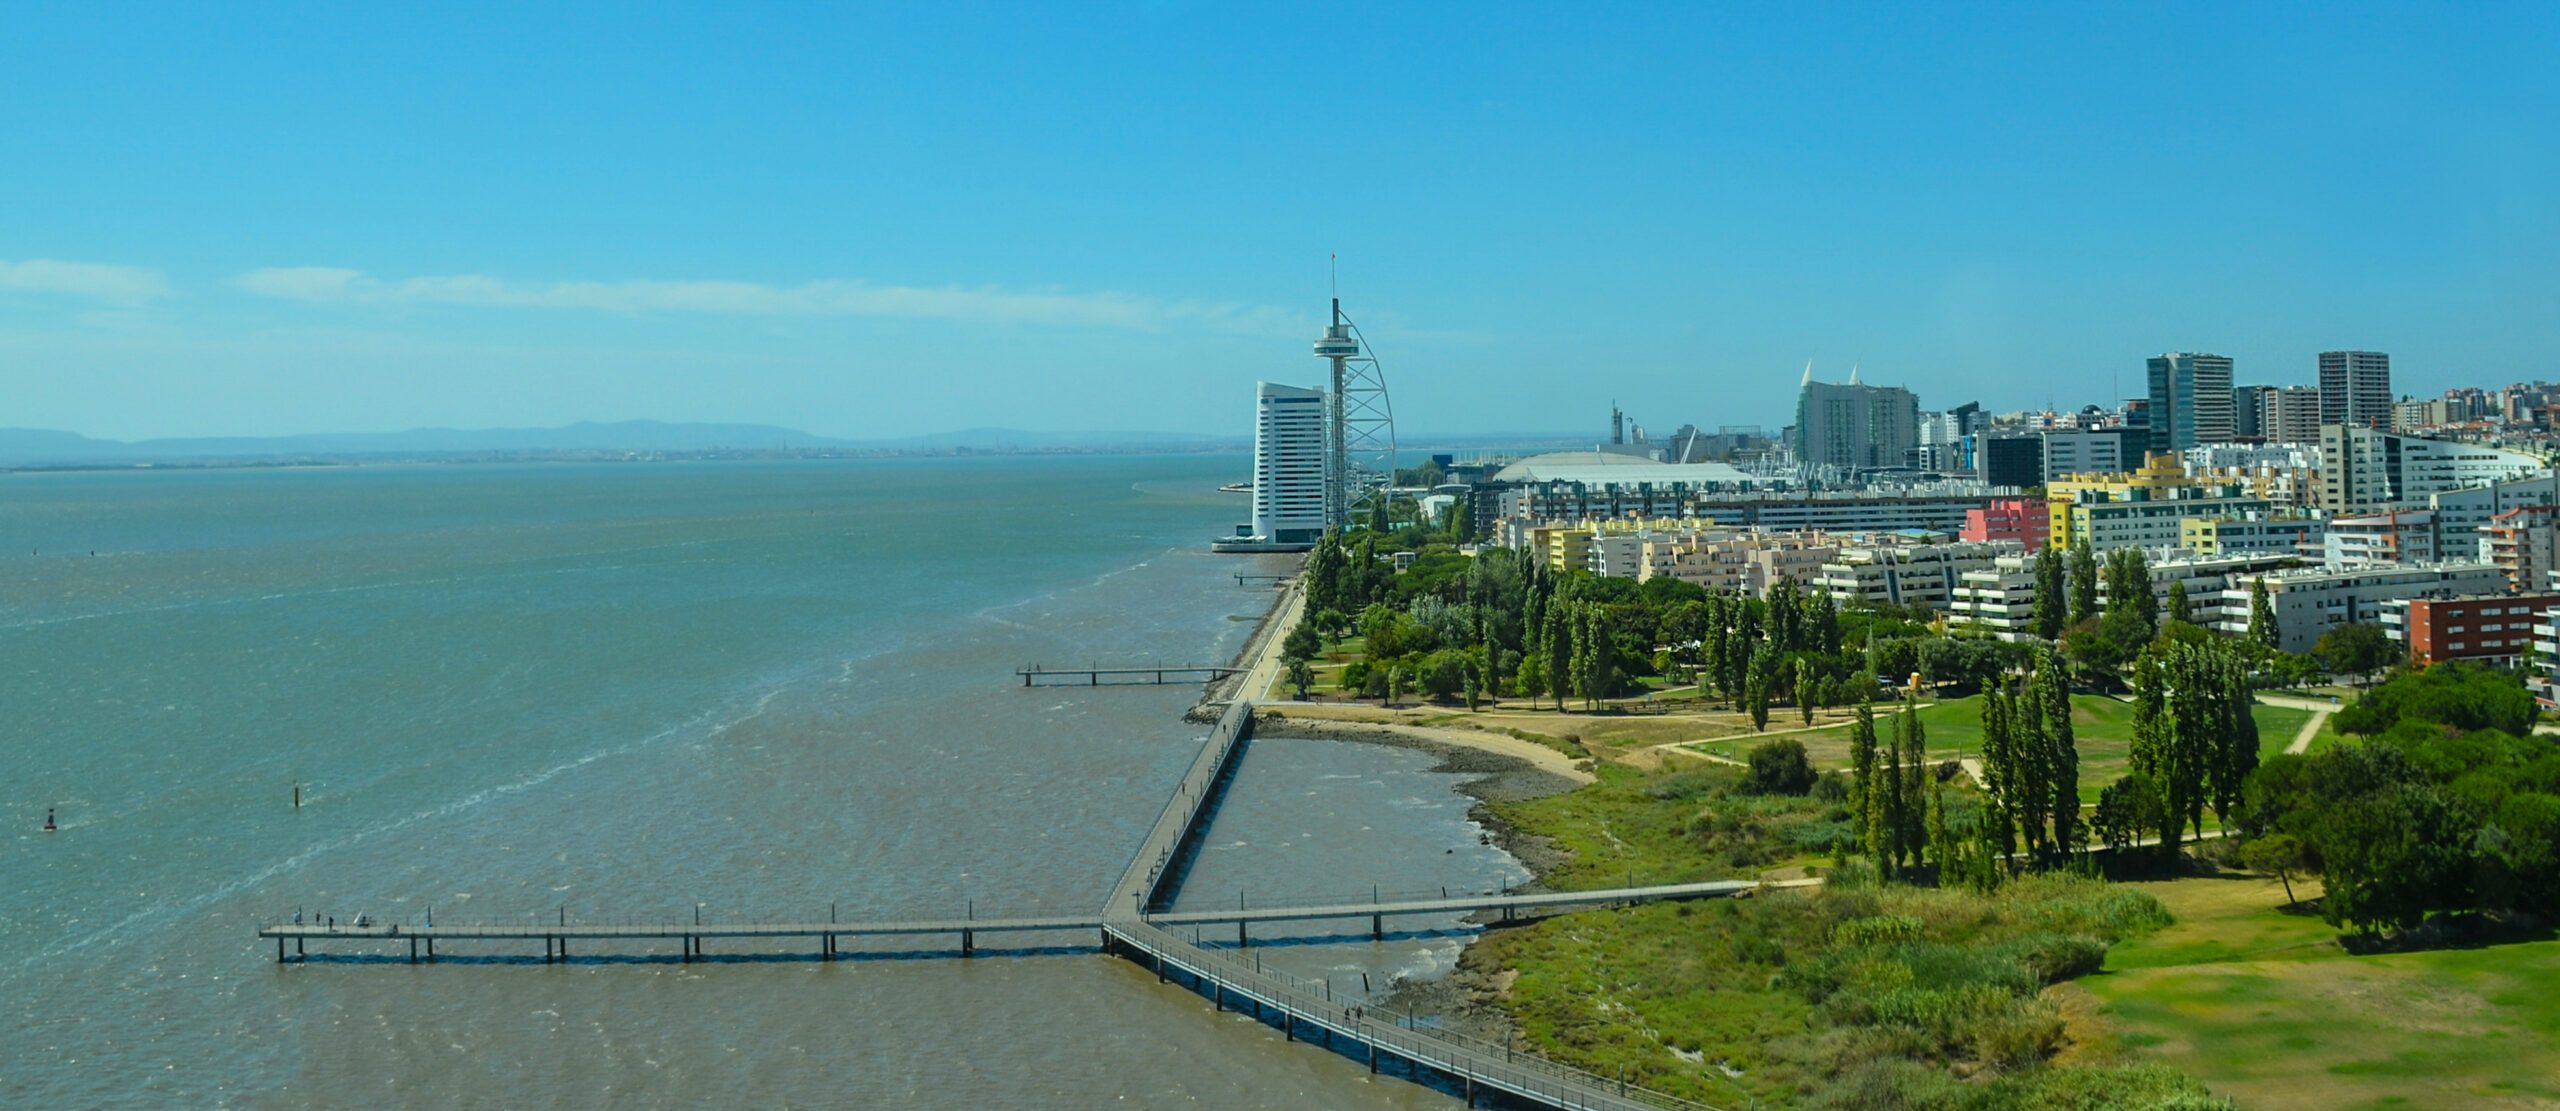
[{"x": 2026, "y": 520}]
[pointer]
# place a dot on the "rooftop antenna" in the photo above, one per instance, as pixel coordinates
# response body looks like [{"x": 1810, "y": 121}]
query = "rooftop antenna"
[{"x": 1333, "y": 267}]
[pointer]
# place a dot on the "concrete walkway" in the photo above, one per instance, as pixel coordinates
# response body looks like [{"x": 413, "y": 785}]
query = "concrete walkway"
[
  {"x": 1267, "y": 670},
  {"x": 2302, "y": 740}
]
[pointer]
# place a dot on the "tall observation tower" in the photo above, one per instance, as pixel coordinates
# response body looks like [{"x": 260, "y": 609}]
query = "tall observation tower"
[{"x": 1359, "y": 426}]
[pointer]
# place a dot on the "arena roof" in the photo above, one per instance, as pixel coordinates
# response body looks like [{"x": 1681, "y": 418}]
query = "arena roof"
[{"x": 1600, "y": 468}]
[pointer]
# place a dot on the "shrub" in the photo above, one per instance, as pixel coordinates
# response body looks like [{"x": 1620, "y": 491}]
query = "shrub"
[{"x": 1780, "y": 767}]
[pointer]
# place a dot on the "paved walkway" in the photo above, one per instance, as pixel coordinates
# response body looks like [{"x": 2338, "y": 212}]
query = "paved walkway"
[
  {"x": 1259, "y": 683},
  {"x": 2302, "y": 740}
]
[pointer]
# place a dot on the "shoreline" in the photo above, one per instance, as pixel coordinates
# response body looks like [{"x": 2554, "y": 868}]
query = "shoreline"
[{"x": 1501, "y": 768}]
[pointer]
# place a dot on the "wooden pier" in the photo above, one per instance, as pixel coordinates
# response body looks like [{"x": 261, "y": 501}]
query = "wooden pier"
[
  {"x": 1134, "y": 923},
  {"x": 1123, "y": 676}
]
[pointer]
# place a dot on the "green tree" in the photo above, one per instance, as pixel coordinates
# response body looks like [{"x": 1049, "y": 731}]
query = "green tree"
[
  {"x": 2052, "y": 593},
  {"x": 1862, "y": 763},
  {"x": 2178, "y": 609},
  {"x": 2127, "y": 809},
  {"x": 1604, "y": 655},
  {"x": 1302, "y": 643},
  {"x": 1886, "y": 820},
  {"x": 2357, "y": 649},
  {"x": 1915, "y": 773},
  {"x": 1301, "y": 676},
  {"x": 2051, "y": 693},
  {"x": 1779, "y": 766},
  {"x": 2133, "y": 613},
  {"x": 2279, "y": 854},
  {"x": 2084, "y": 583},
  {"x": 1807, "y": 687},
  {"x": 1999, "y": 769},
  {"x": 1713, "y": 643},
  {"x": 2263, "y": 629},
  {"x": 1324, "y": 574},
  {"x": 1558, "y": 641},
  {"x": 1761, "y": 685},
  {"x": 1825, "y": 623},
  {"x": 2149, "y": 754}
]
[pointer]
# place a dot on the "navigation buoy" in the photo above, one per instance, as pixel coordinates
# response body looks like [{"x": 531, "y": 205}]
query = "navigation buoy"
[{"x": 49, "y": 827}]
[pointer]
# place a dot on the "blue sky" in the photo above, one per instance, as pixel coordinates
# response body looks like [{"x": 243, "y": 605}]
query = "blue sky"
[{"x": 900, "y": 220}]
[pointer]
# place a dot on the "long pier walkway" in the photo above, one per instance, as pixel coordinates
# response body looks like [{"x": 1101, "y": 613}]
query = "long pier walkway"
[
  {"x": 1131, "y": 928},
  {"x": 1038, "y": 676},
  {"x": 1134, "y": 922}
]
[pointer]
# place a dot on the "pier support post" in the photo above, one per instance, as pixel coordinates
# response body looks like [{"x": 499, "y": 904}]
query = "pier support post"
[
  {"x": 1241, "y": 940},
  {"x": 1377, "y": 927},
  {"x": 297, "y": 950},
  {"x": 1373, "y": 1058},
  {"x": 279, "y": 949},
  {"x": 413, "y": 950},
  {"x": 1288, "y": 1026},
  {"x": 1471, "y": 1091},
  {"x": 968, "y": 943},
  {"x": 431, "y": 950}
]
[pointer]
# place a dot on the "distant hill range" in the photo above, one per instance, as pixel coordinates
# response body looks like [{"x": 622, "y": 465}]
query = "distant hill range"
[{"x": 27, "y": 447}]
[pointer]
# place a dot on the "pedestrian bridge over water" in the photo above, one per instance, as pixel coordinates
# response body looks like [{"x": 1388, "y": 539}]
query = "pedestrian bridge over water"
[{"x": 1135, "y": 923}]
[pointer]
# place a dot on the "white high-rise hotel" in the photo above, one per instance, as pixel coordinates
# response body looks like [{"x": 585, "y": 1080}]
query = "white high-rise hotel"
[{"x": 1288, "y": 464}]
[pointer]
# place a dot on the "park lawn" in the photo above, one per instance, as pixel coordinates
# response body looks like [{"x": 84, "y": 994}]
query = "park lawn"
[
  {"x": 2102, "y": 729},
  {"x": 2267, "y": 1008}
]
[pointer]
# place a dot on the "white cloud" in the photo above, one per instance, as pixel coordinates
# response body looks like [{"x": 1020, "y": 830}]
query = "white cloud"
[
  {"x": 985, "y": 304},
  {"x": 123, "y": 285}
]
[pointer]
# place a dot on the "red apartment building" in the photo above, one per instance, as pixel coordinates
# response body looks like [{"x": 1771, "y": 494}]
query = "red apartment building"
[
  {"x": 2492, "y": 627},
  {"x": 2027, "y": 520}
]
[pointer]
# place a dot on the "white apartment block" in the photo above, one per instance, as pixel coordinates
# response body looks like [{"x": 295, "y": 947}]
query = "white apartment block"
[
  {"x": 1923, "y": 575},
  {"x": 2363, "y": 470},
  {"x": 2000, "y": 599},
  {"x": 2311, "y": 602}
]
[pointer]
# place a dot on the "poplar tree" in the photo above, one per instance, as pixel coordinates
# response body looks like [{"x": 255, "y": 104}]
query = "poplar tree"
[
  {"x": 1826, "y": 623},
  {"x": 2197, "y": 725},
  {"x": 2149, "y": 755},
  {"x": 1711, "y": 646},
  {"x": 2236, "y": 754},
  {"x": 1887, "y": 820},
  {"x": 1862, "y": 770},
  {"x": 1804, "y": 689},
  {"x": 1941, "y": 846},
  {"x": 2178, "y": 607},
  {"x": 2052, "y": 697},
  {"x": 2052, "y": 595},
  {"x": 1582, "y": 652},
  {"x": 2084, "y": 583},
  {"x": 1559, "y": 652},
  {"x": 2035, "y": 792},
  {"x": 1915, "y": 772},
  {"x": 1757, "y": 686},
  {"x": 1600, "y": 660},
  {"x": 1999, "y": 765},
  {"x": 2262, "y": 617}
]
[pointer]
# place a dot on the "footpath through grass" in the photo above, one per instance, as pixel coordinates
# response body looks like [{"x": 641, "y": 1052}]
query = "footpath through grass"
[
  {"x": 2268, "y": 1008},
  {"x": 2101, "y": 726}
]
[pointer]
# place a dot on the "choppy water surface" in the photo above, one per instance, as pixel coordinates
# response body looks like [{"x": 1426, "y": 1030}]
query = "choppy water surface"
[{"x": 632, "y": 692}]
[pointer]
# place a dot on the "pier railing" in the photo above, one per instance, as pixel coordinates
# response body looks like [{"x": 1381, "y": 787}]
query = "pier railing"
[{"x": 1312, "y": 1003}]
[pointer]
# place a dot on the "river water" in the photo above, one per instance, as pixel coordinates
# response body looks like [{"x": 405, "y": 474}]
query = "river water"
[{"x": 638, "y": 692}]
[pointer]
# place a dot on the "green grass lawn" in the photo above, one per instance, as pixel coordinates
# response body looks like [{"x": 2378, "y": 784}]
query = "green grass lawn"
[
  {"x": 2266, "y": 1007},
  {"x": 2102, "y": 728}
]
